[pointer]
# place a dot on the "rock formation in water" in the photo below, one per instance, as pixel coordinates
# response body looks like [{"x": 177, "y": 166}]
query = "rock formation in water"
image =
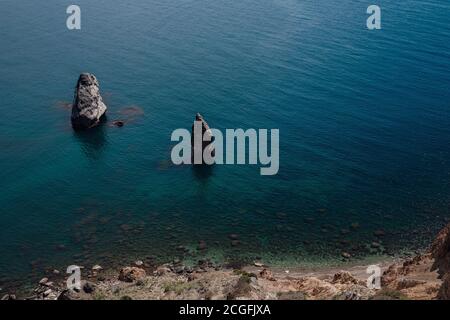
[
  {"x": 88, "y": 108},
  {"x": 206, "y": 134}
]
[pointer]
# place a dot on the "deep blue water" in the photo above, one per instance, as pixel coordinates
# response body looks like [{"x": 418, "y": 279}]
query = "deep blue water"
[{"x": 363, "y": 118}]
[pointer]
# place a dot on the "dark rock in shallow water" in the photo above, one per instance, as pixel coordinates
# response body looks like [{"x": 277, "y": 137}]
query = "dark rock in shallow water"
[
  {"x": 379, "y": 233},
  {"x": 202, "y": 245},
  {"x": 88, "y": 108},
  {"x": 235, "y": 243},
  {"x": 118, "y": 123}
]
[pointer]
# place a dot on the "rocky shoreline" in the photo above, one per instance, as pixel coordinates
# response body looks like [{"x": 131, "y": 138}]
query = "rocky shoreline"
[{"x": 423, "y": 277}]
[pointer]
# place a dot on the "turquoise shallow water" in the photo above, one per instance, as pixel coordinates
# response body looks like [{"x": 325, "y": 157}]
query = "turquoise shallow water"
[{"x": 363, "y": 118}]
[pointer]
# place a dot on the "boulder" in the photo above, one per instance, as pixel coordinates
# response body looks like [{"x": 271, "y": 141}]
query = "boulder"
[
  {"x": 267, "y": 274},
  {"x": 97, "y": 268},
  {"x": 88, "y": 287},
  {"x": 344, "y": 277},
  {"x": 88, "y": 108},
  {"x": 130, "y": 274},
  {"x": 139, "y": 263},
  {"x": 9, "y": 297},
  {"x": 68, "y": 295}
]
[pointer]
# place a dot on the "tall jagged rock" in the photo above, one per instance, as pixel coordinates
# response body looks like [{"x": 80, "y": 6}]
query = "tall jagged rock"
[
  {"x": 206, "y": 134},
  {"x": 88, "y": 108}
]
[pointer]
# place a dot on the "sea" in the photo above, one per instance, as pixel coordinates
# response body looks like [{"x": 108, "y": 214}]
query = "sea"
[{"x": 363, "y": 117}]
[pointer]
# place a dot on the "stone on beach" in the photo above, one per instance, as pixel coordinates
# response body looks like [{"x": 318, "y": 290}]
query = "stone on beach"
[
  {"x": 346, "y": 255},
  {"x": 97, "y": 268},
  {"x": 344, "y": 277},
  {"x": 88, "y": 287},
  {"x": 130, "y": 274},
  {"x": 8, "y": 297},
  {"x": 267, "y": 274},
  {"x": 88, "y": 108},
  {"x": 139, "y": 263},
  {"x": 354, "y": 225}
]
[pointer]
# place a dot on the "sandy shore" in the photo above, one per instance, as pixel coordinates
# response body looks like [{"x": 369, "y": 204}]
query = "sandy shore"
[
  {"x": 207, "y": 281},
  {"x": 425, "y": 276}
]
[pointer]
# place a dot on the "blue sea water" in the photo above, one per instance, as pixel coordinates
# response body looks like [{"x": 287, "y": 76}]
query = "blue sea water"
[{"x": 363, "y": 118}]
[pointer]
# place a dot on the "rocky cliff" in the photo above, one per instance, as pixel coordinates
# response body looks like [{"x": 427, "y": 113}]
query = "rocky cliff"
[{"x": 424, "y": 277}]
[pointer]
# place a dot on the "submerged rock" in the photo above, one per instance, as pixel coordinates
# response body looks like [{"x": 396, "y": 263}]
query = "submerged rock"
[
  {"x": 233, "y": 236},
  {"x": 88, "y": 108},
  {"x": 118, "y": 123},
  {"x": 346, "y": 255},
  {"x": 202, "y": 245}
]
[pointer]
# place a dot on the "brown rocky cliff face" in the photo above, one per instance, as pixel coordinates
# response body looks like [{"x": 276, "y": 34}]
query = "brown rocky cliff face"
[
  {"x": 440, "y": 251},
  {"x": 425, "y": 276}
]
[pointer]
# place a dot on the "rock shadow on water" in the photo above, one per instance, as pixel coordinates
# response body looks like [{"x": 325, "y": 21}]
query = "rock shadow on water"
[
  {"x": 92, "y": 141},
  {"x": 202, "y": 171}
]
